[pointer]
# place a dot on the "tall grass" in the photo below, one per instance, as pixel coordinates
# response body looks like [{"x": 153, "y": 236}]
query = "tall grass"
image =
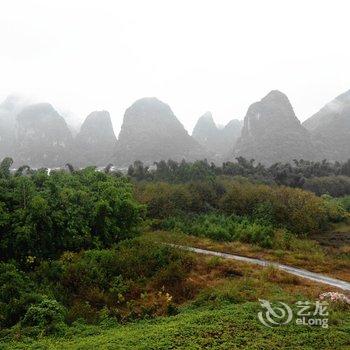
[{"x": 223, "y": 228}]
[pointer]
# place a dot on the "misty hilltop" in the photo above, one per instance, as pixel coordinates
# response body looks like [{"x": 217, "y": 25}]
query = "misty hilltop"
[
  {"x": 218, "y": 141},
  {"x": 151, "y": 132},
  {"x": 9, "y": 109},
  {"x": 272, "y": 132},
  {"x": 96, "y": 141},
  {"x": 38, "y": 136},
  {"x": 330, "y": 128},
  {"x": 42, "y": 137}
]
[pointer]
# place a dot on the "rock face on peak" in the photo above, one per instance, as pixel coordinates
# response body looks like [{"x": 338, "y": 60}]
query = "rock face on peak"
[
  {"x": 43, "y": 137},
  {"x": 205, "y": 131},
  {"x": 218, "y": 141},
  {"x": 233, "y": 127},
  {"x": 272, "y": 132},
  {"x": 330, "y": 128},
  {"x": 151, "y": 132},
  {"x": 8, "y": 111},
  {"x": 96, "y": 141}
]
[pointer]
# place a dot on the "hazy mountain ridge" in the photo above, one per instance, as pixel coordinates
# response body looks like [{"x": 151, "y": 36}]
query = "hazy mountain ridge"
[
  {"x": 219, "y": 141},
  {"x": 42, "y": 137},
  {"x": 37, "y": 135},
  {"x": 151, "y": 132},
  {"x": 330, "y": 128},
  {"x": 272, "y": 132},
  {"x": 96, "y": 141},
  {"x": 8, "y": 111}
]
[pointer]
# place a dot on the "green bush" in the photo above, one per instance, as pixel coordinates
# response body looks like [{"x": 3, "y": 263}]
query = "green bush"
[
  {"x": 223, "y": 228},
  {"x": 344, "y": 202},
  {"x": 47, "y": 316},
  {"x": 298, "y": 211},
  {"x": 17, "y": 293},
  {"x": 335, "y": 209},
  {"x": 253, "y": 232},
  {"x": 43, "y": 215},
  {"x": 114, "y": 279},
  {"x": 231, "y": 292},
  {"x": 163, "y": 199}
]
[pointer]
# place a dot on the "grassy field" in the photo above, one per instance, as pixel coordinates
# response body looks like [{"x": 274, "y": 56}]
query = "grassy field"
[
  {"x": 327, "y": 253},
  {"x": 228, "y": 327},
  {"x": 222, "y": 305},
  {"x": 221, "y": 315}
]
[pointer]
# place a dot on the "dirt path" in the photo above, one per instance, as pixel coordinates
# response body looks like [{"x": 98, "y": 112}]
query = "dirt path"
[{"x": 292, "y": 270}]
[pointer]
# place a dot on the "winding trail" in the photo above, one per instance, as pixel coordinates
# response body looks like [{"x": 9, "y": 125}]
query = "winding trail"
[{"x": 317, "y": 277}]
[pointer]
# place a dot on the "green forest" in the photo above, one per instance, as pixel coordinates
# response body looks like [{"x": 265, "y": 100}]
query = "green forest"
[{"x": 86, "y": 253}]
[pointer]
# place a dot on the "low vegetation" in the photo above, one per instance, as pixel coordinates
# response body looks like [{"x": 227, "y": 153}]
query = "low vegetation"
[
  {"x": 240, "y": 201},
  {"x": 319, "y": 177},
  {"x": 84, "y": 252},
  {"x": 137, "y": 279},
  {"x": 222, "y": 315}
]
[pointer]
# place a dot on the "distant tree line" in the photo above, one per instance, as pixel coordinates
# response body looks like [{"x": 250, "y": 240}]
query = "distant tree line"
[{"x": 322, "y": 177}]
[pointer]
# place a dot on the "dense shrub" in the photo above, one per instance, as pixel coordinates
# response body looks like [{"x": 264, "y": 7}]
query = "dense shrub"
[
  {"x": 223, "y": 228},
  {"x": 163, "y": 199},
  {"x": 115, "y": 279},
  {"x": 335, "y": 207},
  {"x": 16, "y": 294},
  {"x": 42, "y": 215},
  {"x": 47, "y": 316},
  {"x": 173, "y": 172},
  {"x": 343, "y": 202},
  {"x": 335, "y": 186},
  {"x": 288, "y": 174},
  {"x": 297, "y": 210},
  {"x": 136, "y": 279}
]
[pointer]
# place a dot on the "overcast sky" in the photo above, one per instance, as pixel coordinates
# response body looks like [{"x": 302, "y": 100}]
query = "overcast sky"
[{"x": 221, "y": 56}]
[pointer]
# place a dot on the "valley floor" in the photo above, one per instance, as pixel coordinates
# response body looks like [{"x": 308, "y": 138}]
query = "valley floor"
[
  {"x": 223, "y": 311},
  {"x": 223, "y": 315},
  {"x": 327, "y": 253}
]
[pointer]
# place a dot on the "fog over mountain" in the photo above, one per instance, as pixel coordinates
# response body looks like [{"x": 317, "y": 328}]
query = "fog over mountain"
[
  {"x": 96, "y": 141},
  {"x": 151, "y": 132},
  {"x": 218, "y": 141},
  {"x": 38, "y": 136},
  {"x": 43, "y": 138},
  {"x": 272, "y": 132},
  {"x": 8, "y": 111},
  {"x": 124, "y": 50},
  {"x": 330, "y": 128}
]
